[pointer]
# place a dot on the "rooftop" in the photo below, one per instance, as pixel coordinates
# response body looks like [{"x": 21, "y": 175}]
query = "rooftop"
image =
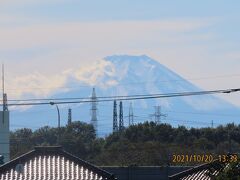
[
  {"x": 51, "y": 163},
  {"x": 204, "y": 172}
]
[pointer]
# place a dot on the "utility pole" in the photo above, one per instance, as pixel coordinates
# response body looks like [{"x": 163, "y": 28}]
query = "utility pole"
[
  {"x": 59, "y": 120},
  {"x": 158, "y": 115},
  {"x": 115, "y": 121},
  {"x": 69, "y": 116},
  {"x": 121, "y": 122},
  {"x": 94, "y": 110}
]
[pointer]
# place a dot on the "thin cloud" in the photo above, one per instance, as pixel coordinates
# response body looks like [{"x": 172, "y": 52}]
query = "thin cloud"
[
  {"x": 175, "y": 43},
  {"x": 36, "y": 84},
  {"x": 85, "y": 34}
]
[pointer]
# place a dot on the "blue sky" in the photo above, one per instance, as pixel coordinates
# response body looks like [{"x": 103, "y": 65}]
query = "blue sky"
[
  {"x": 41, "y": 41},
  {"x": 121, "y": 10}
]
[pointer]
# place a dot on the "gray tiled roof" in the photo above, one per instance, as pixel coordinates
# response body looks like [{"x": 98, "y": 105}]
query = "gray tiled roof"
[
  {"x": 51, "y": 164},
  {"x": 202, "y": 172}
]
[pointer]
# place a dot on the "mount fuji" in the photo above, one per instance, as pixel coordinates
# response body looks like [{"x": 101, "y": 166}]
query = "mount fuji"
[{"x": 134, "y": 75}]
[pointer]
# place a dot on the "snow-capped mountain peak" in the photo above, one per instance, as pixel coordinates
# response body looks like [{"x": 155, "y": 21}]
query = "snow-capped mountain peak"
[{"x": 135, "y": 75}]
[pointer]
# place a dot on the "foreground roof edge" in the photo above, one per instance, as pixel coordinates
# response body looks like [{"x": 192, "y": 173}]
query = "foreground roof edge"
[
  {"x": 88, "y": 165},
  {"x": 56, "y": 150},
  {"x": 194, "y": 169},
  {"x": 17, "y": 160}
]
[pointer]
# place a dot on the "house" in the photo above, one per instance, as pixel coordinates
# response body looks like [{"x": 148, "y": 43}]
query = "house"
[{"x": 51, "y": 163}]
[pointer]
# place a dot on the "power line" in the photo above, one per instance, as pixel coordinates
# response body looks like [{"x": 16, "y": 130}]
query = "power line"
[
  {"x": 185, "y": 112},
  {"x": 142, "y": 119},
  {"x": 138, "y": 95},
  {"x": 130, "y": 97},
  {"x": 204, "y": 114}
]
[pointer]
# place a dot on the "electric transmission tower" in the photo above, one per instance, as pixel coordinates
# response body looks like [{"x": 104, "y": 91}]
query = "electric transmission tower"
[
  {"x": 158, "y": 115},
  {"x": 121, "y": 122},
  {"x": 69, "y": 116},
  {"x": 115, "y": 121},
  {"x": 130, "y": 115},
  {"x": 94, "y": 110}
]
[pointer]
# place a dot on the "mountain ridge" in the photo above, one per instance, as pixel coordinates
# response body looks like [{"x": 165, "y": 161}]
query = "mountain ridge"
[{"x": 129, "y": 75}]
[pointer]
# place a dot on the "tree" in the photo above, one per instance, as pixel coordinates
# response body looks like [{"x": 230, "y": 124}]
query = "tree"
[
  {"x": 232, "y": 172},
  {"x": 21, "y": 142},
  {"x": 146, "y": 143}
]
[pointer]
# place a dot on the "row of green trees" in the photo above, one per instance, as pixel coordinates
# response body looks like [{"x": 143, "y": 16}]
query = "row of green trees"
[{"x": 142, "y": 144}]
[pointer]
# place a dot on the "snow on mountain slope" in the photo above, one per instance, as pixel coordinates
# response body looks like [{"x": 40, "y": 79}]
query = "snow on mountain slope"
[{"x": 143, "y": 75}]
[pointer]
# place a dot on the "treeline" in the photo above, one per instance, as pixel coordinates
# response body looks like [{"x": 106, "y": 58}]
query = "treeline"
[{"x": 142, "y": 144}]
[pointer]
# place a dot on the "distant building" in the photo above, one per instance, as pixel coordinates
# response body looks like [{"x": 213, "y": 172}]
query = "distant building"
[
  {"x": 4, "y": 131},
  {"x": 51, "y": 163}
]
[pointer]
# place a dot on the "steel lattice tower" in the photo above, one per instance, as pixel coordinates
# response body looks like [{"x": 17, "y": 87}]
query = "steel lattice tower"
[
  {"x": 130, "y": 116},
  {"x": 115, "y": 121},
  {"x": 69, "y": 116},
  {"x": 121, "y": 123},
  {"x": 94, "y": 110},
  {"x": 158, "y": 115}
]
